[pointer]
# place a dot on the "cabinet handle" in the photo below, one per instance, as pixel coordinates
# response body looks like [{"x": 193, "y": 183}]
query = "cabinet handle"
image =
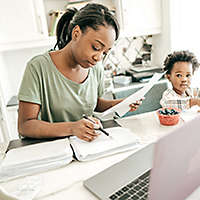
[
  {"x": 1, "y": 115},
  {"x": 40, "y": 25}
]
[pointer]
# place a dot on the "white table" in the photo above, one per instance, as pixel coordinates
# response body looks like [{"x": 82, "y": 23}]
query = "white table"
[{"x": 67, "y": 182}]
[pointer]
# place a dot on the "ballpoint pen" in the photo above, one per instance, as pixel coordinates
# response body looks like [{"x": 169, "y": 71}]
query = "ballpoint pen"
[{"x": 100, "y": 129}]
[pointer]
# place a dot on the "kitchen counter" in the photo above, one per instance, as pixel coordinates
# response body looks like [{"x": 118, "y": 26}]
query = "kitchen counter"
[{"x": 121, "y": 87}]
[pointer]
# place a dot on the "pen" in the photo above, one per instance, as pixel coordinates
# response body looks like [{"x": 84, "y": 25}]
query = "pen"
[{"x": 102, "y": 130}]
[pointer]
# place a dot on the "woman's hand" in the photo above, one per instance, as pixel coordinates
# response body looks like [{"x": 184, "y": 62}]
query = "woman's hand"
[
  {"x": 85, "y": 129},
  {"x": 134, "y": 106}
]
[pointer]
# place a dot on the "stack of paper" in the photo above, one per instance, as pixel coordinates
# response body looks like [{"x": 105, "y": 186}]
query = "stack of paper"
[
  {"x": 35, "y": 158},
  {"x": 119, "y": 140},
  {"x": 44, "y": 156}
]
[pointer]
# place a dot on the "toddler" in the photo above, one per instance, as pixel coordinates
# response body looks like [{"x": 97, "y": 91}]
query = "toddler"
[{"x": 180, "y": 67}]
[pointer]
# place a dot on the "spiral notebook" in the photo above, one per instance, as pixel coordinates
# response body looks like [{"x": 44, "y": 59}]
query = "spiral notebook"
[{"x": 39, "y": 157}]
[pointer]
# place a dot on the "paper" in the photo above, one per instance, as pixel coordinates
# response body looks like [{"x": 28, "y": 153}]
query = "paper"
[
  {"x": 29, "y": 188},
  {"x": 120, "y": 139},
  {"x": 4, "y": 195},
  {"x": 26, "y": 190},
  {"x": 123, "y": 107},
  {"x": 190, "y": 114},
  {"x": 35, "y": 158},
  {"x": 36, "y": 152}
]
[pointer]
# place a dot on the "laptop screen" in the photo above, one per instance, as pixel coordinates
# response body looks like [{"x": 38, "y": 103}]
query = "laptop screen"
[{"x": 176, "y": 167}]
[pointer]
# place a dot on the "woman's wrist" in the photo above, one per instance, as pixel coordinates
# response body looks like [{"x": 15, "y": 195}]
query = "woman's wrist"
[{"x": 116, "y": 101}]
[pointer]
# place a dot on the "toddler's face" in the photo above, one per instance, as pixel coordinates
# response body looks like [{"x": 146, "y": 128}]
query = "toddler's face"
[{"x": 180, "y": 77}]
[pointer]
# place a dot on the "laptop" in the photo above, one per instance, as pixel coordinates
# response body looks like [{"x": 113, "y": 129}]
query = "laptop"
[{"x": 167, "y": 170}]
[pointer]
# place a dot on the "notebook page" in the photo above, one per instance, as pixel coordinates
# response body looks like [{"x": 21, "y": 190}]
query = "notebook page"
[
  {"x": 118, "y": 139},
  {"x": 36, "y": 152}
]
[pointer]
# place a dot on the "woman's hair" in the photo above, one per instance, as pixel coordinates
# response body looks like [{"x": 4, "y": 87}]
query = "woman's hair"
[
  {"x": 92, "y": 15},
  {"x": 180, "y": 56}
]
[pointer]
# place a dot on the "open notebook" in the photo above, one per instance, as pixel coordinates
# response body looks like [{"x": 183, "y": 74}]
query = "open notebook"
[
  {"x": 44, "y": 156},
  {"x": 119, "y": 140}
]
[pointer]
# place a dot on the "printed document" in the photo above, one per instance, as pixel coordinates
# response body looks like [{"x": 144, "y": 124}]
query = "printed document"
[{"x": 123, "y": 107}]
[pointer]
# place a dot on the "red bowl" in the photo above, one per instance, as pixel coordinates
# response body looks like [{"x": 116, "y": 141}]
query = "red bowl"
[{"x": 168, "y": 119}]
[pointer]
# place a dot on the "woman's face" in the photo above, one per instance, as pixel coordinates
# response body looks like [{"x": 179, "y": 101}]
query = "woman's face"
[
  {"x": 91, "y": 46},
  {"x": 180, "y": 77}
]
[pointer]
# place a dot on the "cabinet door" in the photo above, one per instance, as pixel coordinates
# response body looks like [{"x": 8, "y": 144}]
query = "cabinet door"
[
  {"x": 5, "y": 134},
  {"x": 140, "y": 17},
  {"x": 22, "y": 20},
  {"x": 12, "y": 120}
]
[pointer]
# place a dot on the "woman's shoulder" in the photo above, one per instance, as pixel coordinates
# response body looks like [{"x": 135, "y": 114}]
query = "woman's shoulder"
[
  {"x": 39, "y": 63},
  {"x": 39, "y": 58}
]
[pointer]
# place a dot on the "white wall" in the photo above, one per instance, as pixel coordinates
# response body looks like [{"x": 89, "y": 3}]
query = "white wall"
[
  {"x": 162, "y": 42},
  {"x": 180, "y": 31},
  {"x": 13, "y": 64}
]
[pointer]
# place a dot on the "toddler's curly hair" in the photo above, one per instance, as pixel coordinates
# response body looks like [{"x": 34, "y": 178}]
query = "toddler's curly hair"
[{"x": 180, "y": 56}]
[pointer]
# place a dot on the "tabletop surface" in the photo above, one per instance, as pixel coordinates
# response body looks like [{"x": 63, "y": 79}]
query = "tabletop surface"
[{"x": 67, "y": 182}]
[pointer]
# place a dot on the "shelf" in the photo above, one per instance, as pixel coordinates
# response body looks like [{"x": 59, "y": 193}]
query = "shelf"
[{"x": 49, "y": 41}]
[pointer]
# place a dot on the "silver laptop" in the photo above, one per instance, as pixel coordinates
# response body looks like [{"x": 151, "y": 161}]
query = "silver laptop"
[{"x": 175, "y": 173}]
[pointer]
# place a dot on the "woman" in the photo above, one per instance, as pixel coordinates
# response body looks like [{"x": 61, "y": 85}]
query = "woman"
[{"x": 59, "y": 87}]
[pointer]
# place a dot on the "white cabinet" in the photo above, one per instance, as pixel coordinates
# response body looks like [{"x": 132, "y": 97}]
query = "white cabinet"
[
  {"x": 12, "y": 121},
  {"x": 22, "y": 20},
  {"x": 25, "y": 23},
  {"x": 139, "y": 17},
  {"x": 5, "y": 133}
]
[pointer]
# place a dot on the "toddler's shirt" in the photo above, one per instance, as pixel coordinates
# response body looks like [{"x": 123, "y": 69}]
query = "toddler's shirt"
[{"x": 173, "y": 100}]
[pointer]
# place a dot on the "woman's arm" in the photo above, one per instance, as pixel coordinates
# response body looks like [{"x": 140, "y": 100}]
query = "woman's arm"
[
  {"x": 30, "y": 126},
  {"x": 104, "y": 104}
]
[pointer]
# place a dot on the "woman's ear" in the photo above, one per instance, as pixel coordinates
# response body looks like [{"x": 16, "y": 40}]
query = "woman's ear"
[{"x": 76, "y": 33}]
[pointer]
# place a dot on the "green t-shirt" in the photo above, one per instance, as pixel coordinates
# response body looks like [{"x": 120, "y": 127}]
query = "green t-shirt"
[{"x": 60, "y": 98}]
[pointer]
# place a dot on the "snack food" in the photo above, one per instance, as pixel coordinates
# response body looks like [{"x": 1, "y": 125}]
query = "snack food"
[{"x": 168, "y": 116}]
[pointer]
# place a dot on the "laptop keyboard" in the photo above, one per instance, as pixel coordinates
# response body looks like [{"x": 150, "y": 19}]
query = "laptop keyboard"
[{"x": 135, "y": 190}]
